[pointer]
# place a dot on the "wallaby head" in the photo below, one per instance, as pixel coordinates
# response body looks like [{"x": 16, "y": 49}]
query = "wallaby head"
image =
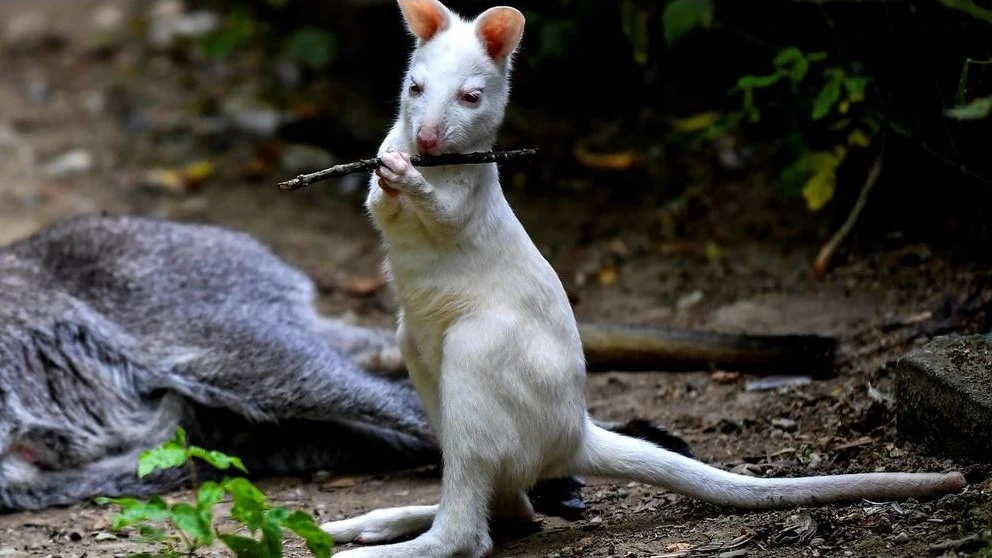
[{"x": 457, "y": 84}]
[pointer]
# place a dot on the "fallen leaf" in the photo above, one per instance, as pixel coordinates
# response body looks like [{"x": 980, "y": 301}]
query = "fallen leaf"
[
  {"x": 679, "y": 547},
  {"x": 619, "y": 248},
  {"x": 725, "y": 377},
  {"x": 197, "y": 173},
  {"x": 607, "y": 275},
  {"x": 858, "y": 138},
  {"x": 696, "y": 122},
  {"x": 713, "y": 251},
  {"x": 344, "y": 482},
  {"x": 616, "y": 161},
  {"x": 168, "y": 180}
]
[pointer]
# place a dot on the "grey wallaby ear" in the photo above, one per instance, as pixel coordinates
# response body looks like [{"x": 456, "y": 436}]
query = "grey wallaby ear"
[
  {"x": 500, "y": 30},
  {"x": 425, "y": 18}
]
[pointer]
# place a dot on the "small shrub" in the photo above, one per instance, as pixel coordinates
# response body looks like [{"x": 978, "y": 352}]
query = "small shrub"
[{"x": 192, "y": 523}]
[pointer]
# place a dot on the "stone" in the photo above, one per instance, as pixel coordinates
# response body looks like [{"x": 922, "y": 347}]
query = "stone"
[{"x": 943, "y": 396}]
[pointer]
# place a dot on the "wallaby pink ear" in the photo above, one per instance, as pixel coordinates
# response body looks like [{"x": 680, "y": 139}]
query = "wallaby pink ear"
[
  {"x": 425, "y": 18},
  {"x": 500, "y": 30}
]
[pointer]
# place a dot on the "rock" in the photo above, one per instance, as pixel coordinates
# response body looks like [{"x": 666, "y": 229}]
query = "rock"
[
  {"x": 108, "y": 18},
  {"x": 901, "y": 538},
  {"x": 104, "y": 536},
  {"x": 73, "y": 162},
  {"x": 30, "y": 30},
  {"x": 943, "y": 394},
  {"x": 785, "y": 424},
  {"x": 688, "y": 301},
  {"x": 170, "y": 22}
]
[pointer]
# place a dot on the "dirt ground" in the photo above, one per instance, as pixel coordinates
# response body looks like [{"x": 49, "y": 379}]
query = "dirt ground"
[{"x": 619, "y": 260}]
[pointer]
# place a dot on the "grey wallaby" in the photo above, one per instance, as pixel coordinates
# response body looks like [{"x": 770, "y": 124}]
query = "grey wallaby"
[{"x": 116, "y": 329}]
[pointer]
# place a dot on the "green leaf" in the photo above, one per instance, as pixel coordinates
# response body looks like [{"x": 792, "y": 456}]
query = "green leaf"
[
  {"x": 970, "y": 8},
  {"x": 977, "y": 109},
  {"x": 243, "y": 547},
  {"x": 319, "y": 542},
  {"x": 151, "y": 534},
  {"x": 272, "y": 537},
  {"x": 856, "y": 86},
  {"x": 249, "y": 503},
  {"x": 312, "y": 46},
  {"x": 792, "y": 177},
  {"x": 793, "y": 61},
  {"x": 164, "y": 457},
  {"x": 820, "y": 187},
  {"x": 190, "y": 521},
  {"x": 169, "y": 454},
  {"x": 827, "y": 98},
  {"x": 239, "y": 27},
  {"x": 217, "y": 459},
  {"x": 757, "y": 82},
  {"x": 634, "y": 22},
  {"x": 787, "y": 55},
  {"x": 135, "y": 511},
  {"x": 682, "y": 16},
  {"x": 208, "y": 495}
]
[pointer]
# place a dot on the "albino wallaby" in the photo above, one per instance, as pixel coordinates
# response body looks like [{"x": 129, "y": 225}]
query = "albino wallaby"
[
  {"x": 114, "y": 330},
  {"x": 486, "y": 329}
]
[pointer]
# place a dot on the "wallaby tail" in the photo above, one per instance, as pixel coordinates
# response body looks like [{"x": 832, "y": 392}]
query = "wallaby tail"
[
  {"x": 613, "y": 346},
  {"x": 613, "y": 455}
]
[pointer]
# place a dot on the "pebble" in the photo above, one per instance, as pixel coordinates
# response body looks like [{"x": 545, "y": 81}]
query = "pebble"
[
  {"x": 901, "y": 538},
  {"x": 104, "y": 537},
  {"x": 73, "y": 162}
]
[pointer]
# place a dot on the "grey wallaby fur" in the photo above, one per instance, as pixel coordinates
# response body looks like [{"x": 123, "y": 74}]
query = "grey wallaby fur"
[{"x": 114, "y": 330}]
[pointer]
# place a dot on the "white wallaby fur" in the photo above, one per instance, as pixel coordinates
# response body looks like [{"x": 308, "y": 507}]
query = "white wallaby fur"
[{"x": 487, "y": 331}]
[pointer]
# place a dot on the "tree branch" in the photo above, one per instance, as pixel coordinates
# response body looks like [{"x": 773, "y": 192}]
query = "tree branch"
[
  {"x": 827, "y": 251},
  {"x": 366, "y": 165}
]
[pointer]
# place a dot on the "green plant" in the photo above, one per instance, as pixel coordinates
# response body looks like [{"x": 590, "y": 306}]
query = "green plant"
[
  {"x": 310, "y": 46},
  {"x": 819, "y": 99},
  {"x": 193, "y": 523}
]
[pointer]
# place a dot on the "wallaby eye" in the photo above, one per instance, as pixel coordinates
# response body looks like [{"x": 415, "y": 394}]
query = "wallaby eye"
[
  {"x": 472, "y": 97},
  {"x": 416, "y": 88}
]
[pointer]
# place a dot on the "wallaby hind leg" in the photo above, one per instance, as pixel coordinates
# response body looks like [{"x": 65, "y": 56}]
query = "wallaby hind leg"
[{"x": 274, "y": 373}]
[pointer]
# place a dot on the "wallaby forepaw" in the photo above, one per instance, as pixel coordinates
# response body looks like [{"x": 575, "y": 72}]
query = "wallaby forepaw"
[{"x": 398, "y": 174}]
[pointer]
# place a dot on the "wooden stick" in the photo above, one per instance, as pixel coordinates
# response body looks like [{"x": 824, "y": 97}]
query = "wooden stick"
[
  {"x": 366, "y": 165},
  {"x": 822, "y": 262}
]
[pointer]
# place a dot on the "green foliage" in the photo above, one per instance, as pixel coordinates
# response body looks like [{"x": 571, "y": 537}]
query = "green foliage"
[
  {"x": 817, "y": 98},
  {"x": 969, "y": 7},
  {"x": 682, "y": 16},
  {"x": 309, "y": 46},
  {"x": 193, "y": 523},
  {"x": 977, "y": 109},
  {"x": 239, "y": 28}
]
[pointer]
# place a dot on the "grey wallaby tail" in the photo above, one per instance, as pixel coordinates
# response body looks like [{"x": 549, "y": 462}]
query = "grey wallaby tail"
[
  {"x": 616, "y": 456},
  {"x": 613, "y": 346}
]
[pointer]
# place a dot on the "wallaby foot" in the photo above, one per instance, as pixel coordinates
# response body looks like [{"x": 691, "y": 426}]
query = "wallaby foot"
[{"x": 383, "y": 525}]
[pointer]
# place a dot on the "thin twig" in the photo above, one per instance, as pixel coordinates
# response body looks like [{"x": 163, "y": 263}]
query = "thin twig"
[
  {"x": 366, "y": 165},
  {"x": 826, "y": 253}
]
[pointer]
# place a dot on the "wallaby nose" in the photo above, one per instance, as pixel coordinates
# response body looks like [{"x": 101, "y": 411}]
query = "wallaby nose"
[{"x": 428, "y": 140}]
